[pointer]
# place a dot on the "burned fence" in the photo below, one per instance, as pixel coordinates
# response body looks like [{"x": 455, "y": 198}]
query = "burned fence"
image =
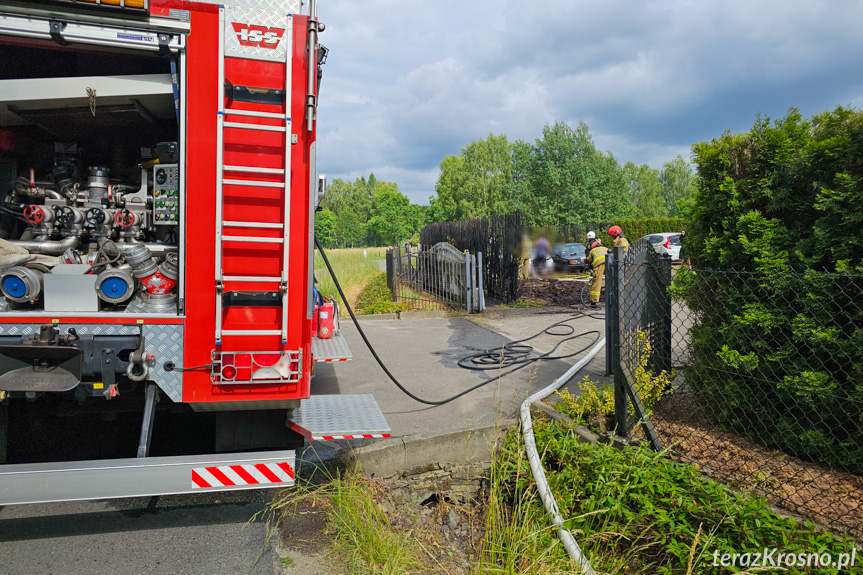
[{"x": 498, "y": 238}]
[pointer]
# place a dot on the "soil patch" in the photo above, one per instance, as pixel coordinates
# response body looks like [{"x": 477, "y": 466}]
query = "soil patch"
[
  {"x": 446, "y": 532},
  {"x": 830, "y": 497},
  {"x": 553, "y": 292}
]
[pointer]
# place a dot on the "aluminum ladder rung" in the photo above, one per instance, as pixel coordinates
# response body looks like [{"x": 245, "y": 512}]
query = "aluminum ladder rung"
[
  {"x": 253, "y": 183},
  {"x": 275, "y": 279},
  {"x": 255, "y": 114},
  {"x": 254, "y": 225},
  {"x": 255, "y": 239},
  {"x": 255, "y": 170},
  {"x": 251, "y": 332},
  {"x": 260, "y": 127}
]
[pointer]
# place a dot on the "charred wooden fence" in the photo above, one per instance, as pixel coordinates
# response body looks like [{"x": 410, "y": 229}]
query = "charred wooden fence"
[{"x": 498, "y": 238}]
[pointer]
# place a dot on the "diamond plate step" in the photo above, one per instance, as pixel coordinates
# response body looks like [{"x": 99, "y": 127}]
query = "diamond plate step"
[
  {"x": 333, "y": 349},
  {"x": 339, "y": 417}
]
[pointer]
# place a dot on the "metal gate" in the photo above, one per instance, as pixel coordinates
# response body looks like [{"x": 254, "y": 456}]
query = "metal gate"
[
  {"x": 638, "y": 313},
  {"x": 440, "y": 277}
]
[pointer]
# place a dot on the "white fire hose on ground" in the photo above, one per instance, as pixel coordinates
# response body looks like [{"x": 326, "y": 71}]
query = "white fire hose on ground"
[{"x": 536, "y": 466}]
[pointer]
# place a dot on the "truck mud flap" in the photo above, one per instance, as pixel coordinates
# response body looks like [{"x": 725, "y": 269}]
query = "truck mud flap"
[{"x": 40, "y": 368}]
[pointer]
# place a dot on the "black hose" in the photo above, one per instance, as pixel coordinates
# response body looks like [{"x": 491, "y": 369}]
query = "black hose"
[
  {"x": 520, "y": 361},
  {"x": 518, "y": 353}
]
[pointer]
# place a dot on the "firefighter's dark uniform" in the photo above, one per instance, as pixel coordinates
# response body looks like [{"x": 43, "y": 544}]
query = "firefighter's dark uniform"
[{"x": 596, "y": 258}]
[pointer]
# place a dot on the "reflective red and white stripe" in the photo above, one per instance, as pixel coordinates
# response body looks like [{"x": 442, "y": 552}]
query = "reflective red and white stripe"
[
  {"x": 329, "y": 359},
  {"x": 363, "y": 436},
  {"x": 237, "y": 475}
]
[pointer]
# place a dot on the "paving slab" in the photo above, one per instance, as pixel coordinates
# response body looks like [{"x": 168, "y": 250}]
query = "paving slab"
[{"x": 423, "y": 355}]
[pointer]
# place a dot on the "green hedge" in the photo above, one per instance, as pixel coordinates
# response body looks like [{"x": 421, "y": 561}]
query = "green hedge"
[
  {"x": 634, "y": 230},
  {"x": 777, "y": 348}
]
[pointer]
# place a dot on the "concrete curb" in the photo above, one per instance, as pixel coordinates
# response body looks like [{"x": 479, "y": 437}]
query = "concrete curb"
[
  {"x": 433, "y": 314},
  {"x": 421, "y": 314},
  {"x": 402, "y": 455},
  {"x": 376, "y": 316}
]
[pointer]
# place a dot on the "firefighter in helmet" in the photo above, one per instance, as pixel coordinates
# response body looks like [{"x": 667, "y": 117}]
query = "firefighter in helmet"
[
  {"x": 596, "y": 259},
  {"x": 591, "y": 236},
  {"x": 619, "y": 239}
]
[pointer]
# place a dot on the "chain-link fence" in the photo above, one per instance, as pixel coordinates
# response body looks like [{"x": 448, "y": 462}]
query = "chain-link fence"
[{"x": 755, "y": 378}]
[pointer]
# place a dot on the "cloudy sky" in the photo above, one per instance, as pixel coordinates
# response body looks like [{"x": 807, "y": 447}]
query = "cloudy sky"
[{"x": 408, "y": 82}]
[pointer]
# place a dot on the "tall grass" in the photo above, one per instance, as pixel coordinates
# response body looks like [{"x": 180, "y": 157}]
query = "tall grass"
[
  {"x": 354, "y": 268},
  {"x": 516, "y": 539},
  {"x": 363, "y": 538}
]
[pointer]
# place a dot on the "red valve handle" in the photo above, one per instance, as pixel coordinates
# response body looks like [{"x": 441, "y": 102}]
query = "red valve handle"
[
  {"x": 34, "y": 214},
  {"x": 124, "y": 218}
]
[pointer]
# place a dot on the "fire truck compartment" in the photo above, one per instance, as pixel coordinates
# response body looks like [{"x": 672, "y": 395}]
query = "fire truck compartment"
[{"x": 91, "y": 175}]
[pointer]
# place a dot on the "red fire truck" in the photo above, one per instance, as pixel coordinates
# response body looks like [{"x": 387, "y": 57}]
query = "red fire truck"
[{"x": 158, "y": 185}]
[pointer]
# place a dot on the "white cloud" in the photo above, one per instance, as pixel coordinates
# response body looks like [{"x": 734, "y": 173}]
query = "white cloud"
[{"x": 410, "y": 82}]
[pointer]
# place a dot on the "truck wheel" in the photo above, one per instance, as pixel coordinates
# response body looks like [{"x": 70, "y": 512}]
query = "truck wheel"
[{"x": 255, "y": 431}]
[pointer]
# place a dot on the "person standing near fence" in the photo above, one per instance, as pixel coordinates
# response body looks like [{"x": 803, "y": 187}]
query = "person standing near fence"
[
  {"x": 619, "y": 239},
  {"x": 596, "y": 259},
  {"x": 684, "y": 255},
  {"x": 540, "y": 257}
]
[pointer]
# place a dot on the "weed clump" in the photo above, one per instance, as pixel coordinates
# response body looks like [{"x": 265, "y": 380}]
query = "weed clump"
[
  {"x": 598, "y": 399},
  {"x": 634, "y": 511}
]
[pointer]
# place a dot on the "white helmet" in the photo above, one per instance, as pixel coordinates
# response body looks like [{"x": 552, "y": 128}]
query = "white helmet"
[{"x": 591, "y": 235}]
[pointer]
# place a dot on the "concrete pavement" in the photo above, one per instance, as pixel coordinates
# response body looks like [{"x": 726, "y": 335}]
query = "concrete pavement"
[{"x": 423, "y": 355}]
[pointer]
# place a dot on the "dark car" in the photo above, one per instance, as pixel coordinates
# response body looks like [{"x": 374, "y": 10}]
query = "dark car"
[{"x": 569, "y": 257}]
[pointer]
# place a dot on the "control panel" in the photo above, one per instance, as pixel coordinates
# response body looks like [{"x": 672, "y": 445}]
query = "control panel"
[{"x": 166, "y": 194}]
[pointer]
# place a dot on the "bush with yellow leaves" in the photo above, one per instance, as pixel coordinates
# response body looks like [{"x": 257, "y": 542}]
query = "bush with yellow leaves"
[{"x": 598, "y": 399}]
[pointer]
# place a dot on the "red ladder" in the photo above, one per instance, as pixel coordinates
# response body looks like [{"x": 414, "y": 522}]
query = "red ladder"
[{"x": 240, "y": 179}]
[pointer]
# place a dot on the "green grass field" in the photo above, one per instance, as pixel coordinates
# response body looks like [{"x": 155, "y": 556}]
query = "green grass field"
[{"x": 354, "y": 268}]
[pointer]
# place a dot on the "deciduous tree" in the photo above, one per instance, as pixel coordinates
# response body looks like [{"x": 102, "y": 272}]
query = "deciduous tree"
[
  {"x": 645, "y": 191},
  {"x": 679, "y": 183}
]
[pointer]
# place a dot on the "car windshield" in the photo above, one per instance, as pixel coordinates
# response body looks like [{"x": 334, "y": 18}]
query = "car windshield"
[
  {"x": 572, "y": 249},
  {"x": 675, "y": 240}
]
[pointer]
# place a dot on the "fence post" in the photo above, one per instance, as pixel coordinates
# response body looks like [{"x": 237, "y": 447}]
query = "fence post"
[
  {"x": 663, "y": 340},
  {"x": 611, "y": 312},
  {"x": 474, "y": 296},
  {"x": 479, "y": 270},
  {"x": 467, "y": 281},
  {"x": 397, "y": 268},
  {"x": 621, "y": 405},
  {"x": 390, "y": 269}
]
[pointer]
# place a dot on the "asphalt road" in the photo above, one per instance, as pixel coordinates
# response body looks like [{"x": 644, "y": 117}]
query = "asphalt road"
[
  {"x": 177, "y": 535},
  {"x": 208, "y": 534}
]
